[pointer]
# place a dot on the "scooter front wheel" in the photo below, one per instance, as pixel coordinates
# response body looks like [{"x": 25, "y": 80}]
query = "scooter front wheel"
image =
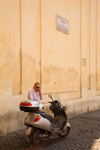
[
  {"x": 35, "y": 137},
  {"x": 64, "y": 133}
]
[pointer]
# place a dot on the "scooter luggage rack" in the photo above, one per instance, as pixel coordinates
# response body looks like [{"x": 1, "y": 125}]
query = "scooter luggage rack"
[{"x": 30, "y": 106}]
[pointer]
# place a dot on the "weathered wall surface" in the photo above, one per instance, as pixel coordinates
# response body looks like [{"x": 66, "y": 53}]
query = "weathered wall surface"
[
  {"x": 62, "y": 70},
  {"x": 32, "y": 49},
  {"x": 19, "y": 58}
]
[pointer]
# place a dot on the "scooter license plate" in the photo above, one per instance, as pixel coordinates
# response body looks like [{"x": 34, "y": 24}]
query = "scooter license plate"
[{"x": 28, "y": 131}]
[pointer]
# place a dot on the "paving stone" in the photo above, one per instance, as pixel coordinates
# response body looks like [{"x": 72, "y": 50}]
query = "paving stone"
[{"x": 84, "y": 135}]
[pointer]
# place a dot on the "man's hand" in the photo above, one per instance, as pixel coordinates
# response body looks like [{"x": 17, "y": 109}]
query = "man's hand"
[{"x": 39, "y": 92}]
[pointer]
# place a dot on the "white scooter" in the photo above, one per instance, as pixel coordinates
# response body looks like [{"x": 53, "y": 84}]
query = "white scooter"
[{"x": 43, "y": 125}]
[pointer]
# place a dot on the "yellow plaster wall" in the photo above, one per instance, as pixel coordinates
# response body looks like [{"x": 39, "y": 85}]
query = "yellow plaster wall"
[
  {"x": 93, "y": 40},
  {"x": 98, "y": 45},
  {"x": 60, "y": 52},
  {"x": 19, "y": 58},
  {"x": 85, "y": 36},
  {"x": 15, "y": 41},
  {"x": 5, "y": 56},
  {"x": 30, "y": 27},
  {"x": 90, "y": 23}
]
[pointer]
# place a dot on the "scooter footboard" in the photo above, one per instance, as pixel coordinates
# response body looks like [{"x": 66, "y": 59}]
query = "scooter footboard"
[{"x": 58, "y": 124}]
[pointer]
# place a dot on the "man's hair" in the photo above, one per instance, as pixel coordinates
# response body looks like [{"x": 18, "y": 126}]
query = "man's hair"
[{"x": 36, "y": 83}]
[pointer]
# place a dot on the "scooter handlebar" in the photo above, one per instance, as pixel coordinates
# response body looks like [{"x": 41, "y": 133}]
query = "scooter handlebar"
[{"x": 50, "y": 102}]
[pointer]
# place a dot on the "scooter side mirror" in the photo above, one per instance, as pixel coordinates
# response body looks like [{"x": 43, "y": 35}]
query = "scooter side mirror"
[{"x": 49, "y": 95}]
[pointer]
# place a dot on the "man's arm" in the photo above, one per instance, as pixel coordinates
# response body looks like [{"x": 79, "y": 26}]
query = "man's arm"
[{"x": 30, "y": 96}]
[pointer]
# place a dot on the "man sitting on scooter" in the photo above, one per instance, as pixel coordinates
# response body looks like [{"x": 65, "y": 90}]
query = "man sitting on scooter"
[{"x": 35, "y": 93}]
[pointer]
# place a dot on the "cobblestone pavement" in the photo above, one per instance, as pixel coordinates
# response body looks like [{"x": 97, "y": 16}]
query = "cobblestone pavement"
[{"x": 84, "y": 135}]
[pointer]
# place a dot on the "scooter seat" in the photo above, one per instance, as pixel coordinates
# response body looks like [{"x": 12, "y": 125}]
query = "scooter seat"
[{"x": 44, "y": 115}]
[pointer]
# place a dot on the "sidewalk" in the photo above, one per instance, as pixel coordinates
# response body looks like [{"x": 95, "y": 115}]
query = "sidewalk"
[{"x": 84, "y": 135}]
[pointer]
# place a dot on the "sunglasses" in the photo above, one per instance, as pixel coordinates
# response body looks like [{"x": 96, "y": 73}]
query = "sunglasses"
[{"x": 37, "y": 87}]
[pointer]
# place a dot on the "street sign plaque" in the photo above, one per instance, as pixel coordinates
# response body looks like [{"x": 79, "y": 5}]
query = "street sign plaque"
[{"x": 62, "y": 24}]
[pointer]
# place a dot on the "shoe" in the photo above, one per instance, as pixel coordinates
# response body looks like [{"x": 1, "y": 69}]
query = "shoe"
[{"x": 28, "y": 139}]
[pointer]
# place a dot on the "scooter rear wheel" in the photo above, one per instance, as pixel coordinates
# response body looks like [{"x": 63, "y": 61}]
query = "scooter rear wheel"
[
  {"x": 34, "y": 137},
  {"x": 64, "y": 133}
]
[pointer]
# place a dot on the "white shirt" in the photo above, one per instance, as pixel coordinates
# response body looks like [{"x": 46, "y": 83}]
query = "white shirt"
[{"x": 33, "y": 95}]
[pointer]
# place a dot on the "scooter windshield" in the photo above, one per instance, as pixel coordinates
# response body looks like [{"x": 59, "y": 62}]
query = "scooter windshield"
[{"x": 54, "y": 97}]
